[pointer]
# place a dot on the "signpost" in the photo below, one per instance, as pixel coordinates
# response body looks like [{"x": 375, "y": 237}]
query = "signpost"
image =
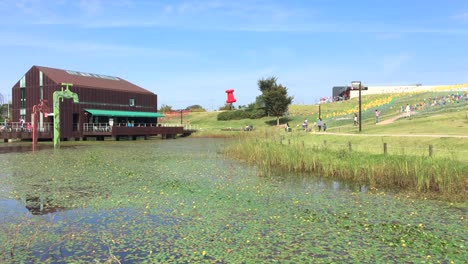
[{"x": 356, "y": 85}]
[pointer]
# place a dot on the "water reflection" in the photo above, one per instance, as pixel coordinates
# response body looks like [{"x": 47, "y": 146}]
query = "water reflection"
[
  {"x": 40, "y": 205},
  {"x": 315, "y": 182},
  {"x": 5, "y": 149},
  {"x": 10, "y": 208}
]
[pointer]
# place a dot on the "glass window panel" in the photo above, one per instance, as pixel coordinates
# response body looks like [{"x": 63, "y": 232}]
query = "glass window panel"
[{"x": 23, "y": 82}]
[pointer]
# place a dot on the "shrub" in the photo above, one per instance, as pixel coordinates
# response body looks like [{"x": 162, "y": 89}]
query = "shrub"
[{"x": 240, "y": 114}]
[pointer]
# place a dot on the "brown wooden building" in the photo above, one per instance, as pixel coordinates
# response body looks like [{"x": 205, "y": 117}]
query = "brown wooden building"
[{"x": 107, "y": 104}]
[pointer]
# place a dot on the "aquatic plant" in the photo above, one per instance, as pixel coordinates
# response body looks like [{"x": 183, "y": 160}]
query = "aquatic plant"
[
  {"x": 443, "y": 176},
  {"x": 183, "y": 201}
]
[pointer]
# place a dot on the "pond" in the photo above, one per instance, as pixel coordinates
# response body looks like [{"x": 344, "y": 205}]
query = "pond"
[{"x": 183, "y": 201}]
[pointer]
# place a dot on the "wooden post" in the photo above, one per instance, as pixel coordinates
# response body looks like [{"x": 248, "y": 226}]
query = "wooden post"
[
  {"x": 385, "y": 148},
  {"x": 430, "y": 150},
  {"x": 350, "y": 148},
  {"x": 360, "y": 108}
]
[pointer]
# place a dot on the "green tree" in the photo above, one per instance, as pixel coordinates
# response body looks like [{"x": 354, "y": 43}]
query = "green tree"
[
  {"x": 257, "y": 108},
  {"x": 195, "y": 108},
  {"x": 275, "y": 97},
  {"x": 226, "y": 107},
  {"x": 165, "y": 108}
]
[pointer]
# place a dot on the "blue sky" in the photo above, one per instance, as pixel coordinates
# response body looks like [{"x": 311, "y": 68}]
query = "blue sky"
[{"x": 190, "y": 52}]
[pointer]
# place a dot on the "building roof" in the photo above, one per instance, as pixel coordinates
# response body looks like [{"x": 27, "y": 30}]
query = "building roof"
[
  {"x": 91, "y": 80},
  {"x": 115, "y": 113}
]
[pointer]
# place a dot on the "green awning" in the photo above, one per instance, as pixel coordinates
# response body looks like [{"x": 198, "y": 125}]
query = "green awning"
[{"x": 115, "y": 113}]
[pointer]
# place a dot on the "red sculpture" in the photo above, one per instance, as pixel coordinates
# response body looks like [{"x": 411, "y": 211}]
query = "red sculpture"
[
  {"x": 230, "y": 96},
  {"x": 41, "y": 107}
]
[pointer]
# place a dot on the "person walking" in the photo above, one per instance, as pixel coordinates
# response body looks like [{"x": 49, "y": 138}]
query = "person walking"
[
  {"x": 319, "y": 124},
  {"x": 408, "y": 110},
  {"x": 377, "y": 114},
  {"x": 355, "y": 119}
]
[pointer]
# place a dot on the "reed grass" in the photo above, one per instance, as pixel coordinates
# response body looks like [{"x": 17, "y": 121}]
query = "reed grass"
[{"x": 444, "y": 177}]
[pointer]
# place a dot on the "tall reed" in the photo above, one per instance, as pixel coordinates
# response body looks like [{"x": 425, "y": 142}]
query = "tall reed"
[{"x": 419, "y": 174}]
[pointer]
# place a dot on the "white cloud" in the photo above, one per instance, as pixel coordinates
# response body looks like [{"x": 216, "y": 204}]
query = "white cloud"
[
  {"x": 88, "y": 48},
  {"x": 210, "y": 15}
]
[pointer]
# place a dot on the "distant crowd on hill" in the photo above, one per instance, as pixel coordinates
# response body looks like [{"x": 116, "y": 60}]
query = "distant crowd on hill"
[{"x": 440, "y": 101}]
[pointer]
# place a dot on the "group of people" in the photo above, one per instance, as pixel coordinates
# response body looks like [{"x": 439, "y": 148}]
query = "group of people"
[
  {"x": 20, "y": 126},
  {"x": 376, "y": 113},
  {"x": 305, "y": 125}
]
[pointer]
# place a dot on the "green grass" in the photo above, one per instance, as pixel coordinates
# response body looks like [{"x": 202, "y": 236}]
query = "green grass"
[
  {"x": 443, "y": 177},
  {"x": 434, "y": 124},
  {"x": 452, "y": 119},
  {"x": 426, "y": 153}
]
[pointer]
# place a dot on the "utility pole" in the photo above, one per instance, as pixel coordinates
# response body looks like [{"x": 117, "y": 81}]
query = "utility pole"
[
  {"x": 320, "y": 110},
  {"x": 181, "y": 114},
  {"x": 357, "y": 85},
  {"x": 360, "y": 108},
  {"x": 8, "y": 107}
]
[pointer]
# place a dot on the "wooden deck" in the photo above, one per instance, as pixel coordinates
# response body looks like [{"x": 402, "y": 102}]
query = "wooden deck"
[{"x": 101, "y": 132}]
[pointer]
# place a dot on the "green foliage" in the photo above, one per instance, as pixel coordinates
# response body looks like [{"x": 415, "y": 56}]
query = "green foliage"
[
  {"x": 254, "y": 110},
  {"x": 275, "y": 96},
  {"x": 3, "y": 112},
  {"x": 196, "y": 108},
  {"x": 165, "y": 108},
  {"x": 443, "y": 176},
  {"x": 239, "y": 115},
  {"x": 226, "y": 107},
  {"x": 150, "y": 202}
]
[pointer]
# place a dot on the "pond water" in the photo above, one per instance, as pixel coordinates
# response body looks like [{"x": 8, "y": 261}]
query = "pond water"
[{"x": 183, "y": 201}]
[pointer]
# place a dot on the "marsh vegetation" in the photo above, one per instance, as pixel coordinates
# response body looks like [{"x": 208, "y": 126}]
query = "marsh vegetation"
[{"x": 184, "y": 201}]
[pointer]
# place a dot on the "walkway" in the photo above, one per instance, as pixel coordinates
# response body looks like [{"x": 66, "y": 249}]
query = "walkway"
[
  {"x": 397, "y": 135},
  {"x": 393, "y": 119}
]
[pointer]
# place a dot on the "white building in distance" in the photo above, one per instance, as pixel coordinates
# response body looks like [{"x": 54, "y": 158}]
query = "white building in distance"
[{"x": 391, "y": 89}]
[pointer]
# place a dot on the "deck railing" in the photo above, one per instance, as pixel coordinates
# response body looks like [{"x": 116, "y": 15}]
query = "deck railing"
[
  {"x": 24, "y": 127},
  {"x": 105, "y": 127}
]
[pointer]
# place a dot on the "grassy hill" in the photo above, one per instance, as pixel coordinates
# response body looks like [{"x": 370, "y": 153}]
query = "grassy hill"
[
  {"x": 436, "y": 123},
  {"x": 449, "y": 118}
]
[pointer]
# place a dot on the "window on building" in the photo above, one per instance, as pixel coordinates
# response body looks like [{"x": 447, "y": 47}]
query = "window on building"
[
  {"x": 131, "y": 102},
  {"x": 23, "y": 113},
  {"x": 23, "y": 82},
  {"x": 22, "y": 97}
]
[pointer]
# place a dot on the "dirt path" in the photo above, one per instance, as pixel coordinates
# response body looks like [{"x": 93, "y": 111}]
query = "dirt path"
[{"x": 393, "y": 119}]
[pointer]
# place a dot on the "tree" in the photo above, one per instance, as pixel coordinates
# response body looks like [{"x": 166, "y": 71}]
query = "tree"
[
  {"x": 165, "y": 108},
  {"x": 195, "y": 108},
  {"x": 226, "y": 106},
  {"x": 275, "y": 97}
]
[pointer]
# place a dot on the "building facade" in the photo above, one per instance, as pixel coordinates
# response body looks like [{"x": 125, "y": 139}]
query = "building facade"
[{"x": 103, "y": 100}]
